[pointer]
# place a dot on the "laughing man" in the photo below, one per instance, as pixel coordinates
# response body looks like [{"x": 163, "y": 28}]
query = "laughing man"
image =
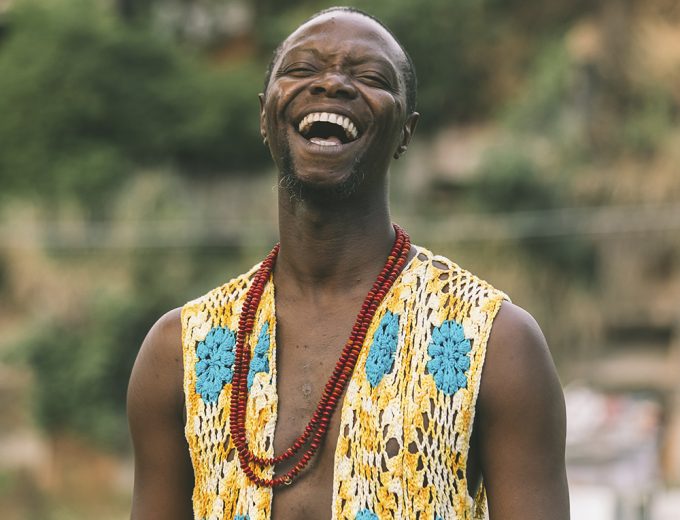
[{"x": 342, "y": 377}]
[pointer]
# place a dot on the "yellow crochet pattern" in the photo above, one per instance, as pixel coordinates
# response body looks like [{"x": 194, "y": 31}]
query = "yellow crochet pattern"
[{"x": 406, "y": 417}]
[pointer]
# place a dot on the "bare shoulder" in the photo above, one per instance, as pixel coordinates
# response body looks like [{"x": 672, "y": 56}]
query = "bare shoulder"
[
  {"x": 519, "y": 376},
  {"x": 163, "y": 473},
  {"x": 164, "y": 340},
  {"x": 158, "y": 371},
  {"x": 521, "y": 422},
  {"x": 517, "y": 353},
  {"x": 166, "y": 331}
]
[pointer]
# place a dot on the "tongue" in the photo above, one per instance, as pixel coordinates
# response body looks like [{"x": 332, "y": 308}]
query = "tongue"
[{"x": 326, "y": 141}]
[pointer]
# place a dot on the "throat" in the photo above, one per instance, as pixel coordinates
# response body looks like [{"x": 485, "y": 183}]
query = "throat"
[{"x": 318, "y": 260}]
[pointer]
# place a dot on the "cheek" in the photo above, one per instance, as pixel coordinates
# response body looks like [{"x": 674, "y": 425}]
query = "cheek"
[
  {"x": 389, "y": 120},
  {"x": 398, "y": 106},
  {"x": 279, "y": 97},
  {"x": 385, "y": 105},
  {"x": 283, "y": 91}
]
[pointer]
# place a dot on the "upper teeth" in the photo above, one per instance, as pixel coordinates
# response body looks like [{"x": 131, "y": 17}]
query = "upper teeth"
[{"x": 344, "y": 122}]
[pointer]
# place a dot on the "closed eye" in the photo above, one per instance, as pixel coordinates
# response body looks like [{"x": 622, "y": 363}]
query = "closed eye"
[
  {"x": 297, "y": 70},
  {"x": 300, "y": 72},
  {"x": 375, "y": 80}
]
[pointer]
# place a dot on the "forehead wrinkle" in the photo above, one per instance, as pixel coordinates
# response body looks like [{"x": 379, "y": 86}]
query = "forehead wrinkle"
[{"x": 364, "y": 29}]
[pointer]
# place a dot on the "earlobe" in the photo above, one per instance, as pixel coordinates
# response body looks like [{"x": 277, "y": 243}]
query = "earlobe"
[
  {"x": 409, "y": 128},
  {"x": 407, "y": 133}
]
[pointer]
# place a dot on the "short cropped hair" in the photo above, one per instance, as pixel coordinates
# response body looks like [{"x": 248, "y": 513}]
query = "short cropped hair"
[{"x": 407, "y": 68}]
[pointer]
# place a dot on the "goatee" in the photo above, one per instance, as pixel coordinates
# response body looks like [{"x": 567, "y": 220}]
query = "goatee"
[{"x": 305, "y": 191}]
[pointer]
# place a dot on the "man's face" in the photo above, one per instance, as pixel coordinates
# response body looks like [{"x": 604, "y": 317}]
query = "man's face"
[{"x": 335, "y": 108}]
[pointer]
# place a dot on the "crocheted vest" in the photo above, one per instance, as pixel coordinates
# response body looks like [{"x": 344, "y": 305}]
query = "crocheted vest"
[{"x": 414, "y": 386}]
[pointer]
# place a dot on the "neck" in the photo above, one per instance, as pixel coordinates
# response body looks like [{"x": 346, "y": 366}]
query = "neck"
[{"x": 332, "y": 245}]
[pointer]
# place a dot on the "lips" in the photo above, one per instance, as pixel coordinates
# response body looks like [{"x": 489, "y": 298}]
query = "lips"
[{"x": 328, "y": 129}]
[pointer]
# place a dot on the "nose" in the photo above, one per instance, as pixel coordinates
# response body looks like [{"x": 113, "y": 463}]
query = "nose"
[{"x": 333, "y": 84}]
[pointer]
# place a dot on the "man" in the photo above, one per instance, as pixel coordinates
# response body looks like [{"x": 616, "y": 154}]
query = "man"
[{"x": 223, "y": 397}]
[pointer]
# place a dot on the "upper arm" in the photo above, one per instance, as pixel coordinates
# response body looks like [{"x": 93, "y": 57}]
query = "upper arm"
[
  {"x": 521, "y": 423},
  {"x": 163, "y": 473}
]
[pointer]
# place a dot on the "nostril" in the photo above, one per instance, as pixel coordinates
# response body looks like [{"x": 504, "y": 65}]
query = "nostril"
[{"x": 333, "y": 85}]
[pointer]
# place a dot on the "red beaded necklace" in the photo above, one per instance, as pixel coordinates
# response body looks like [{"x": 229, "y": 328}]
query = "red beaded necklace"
[{"x": 318, "y": 424}]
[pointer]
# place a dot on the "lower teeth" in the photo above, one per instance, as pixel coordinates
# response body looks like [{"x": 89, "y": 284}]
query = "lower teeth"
[{"x": 325, "y": 142}]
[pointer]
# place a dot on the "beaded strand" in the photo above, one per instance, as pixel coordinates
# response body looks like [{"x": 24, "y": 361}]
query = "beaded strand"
[{"x": 318, "y": 424}]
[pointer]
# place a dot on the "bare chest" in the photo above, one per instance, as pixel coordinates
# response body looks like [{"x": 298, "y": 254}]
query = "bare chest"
[{"x": 308, "y": 347}]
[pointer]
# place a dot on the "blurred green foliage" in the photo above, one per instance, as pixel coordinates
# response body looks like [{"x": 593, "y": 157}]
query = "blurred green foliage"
[
  {"x": 509, "y": 181},
  {"x": 512, "y": 178},
  {"x": 81, "y": 364},
  {"x": 79, "y": 367},
  {"x": 87, "y": 100},
  {"x": 650, "y": 116},
  {"x": 545, "y": 96}
]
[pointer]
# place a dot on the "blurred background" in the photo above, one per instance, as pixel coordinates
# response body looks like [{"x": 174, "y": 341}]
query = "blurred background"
[{"x": 133, "y": 178}]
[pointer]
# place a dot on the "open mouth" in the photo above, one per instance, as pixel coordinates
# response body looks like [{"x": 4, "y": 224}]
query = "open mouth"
[{"x": 328, "y": 129}]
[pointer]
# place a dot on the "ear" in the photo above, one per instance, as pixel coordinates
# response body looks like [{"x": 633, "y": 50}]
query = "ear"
[
  {"x": 406, "y": 133},
  {"x": 263, "y": 126}
]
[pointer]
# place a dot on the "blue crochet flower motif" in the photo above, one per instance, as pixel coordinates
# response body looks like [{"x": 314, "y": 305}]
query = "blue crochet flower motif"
[
  {"x": 449, "y": 357},
  {"x": 381, "y": 356},
  {"x": 260, "y": 359},
  {"x": 215, "y": 365},
  {"x": 365, "y": 514}
]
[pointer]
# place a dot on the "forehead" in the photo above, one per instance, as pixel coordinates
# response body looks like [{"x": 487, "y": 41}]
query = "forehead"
[{"x": 345, "y": 32}]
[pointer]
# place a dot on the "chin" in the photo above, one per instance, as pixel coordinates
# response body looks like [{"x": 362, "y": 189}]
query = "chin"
[
  {"x": 319, "y": 182},
  {"x": 308, "y": 186}
]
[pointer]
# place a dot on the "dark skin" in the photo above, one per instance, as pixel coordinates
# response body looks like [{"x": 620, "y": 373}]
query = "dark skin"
[{"x": 332, "y": 248}]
